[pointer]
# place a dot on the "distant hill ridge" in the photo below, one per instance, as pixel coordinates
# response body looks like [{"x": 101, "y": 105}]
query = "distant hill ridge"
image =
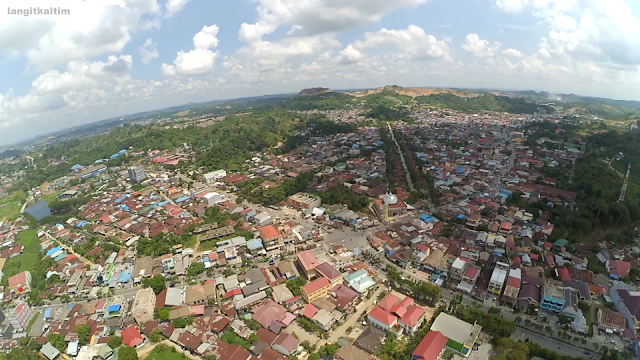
[
  {"x": 410, "y": 91},
  {"x": 314, "y": 91}
]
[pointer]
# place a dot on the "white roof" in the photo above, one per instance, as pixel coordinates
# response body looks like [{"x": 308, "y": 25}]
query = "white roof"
[
  {"x": 498, "y": 275},
  {"x": 452, "y": 327},
  {"x": 515, "y": 273},
  {"x": 458, "y": 264}
]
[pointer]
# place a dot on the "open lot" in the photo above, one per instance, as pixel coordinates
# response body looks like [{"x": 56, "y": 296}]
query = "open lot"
[{"x": 29, "y": 258}]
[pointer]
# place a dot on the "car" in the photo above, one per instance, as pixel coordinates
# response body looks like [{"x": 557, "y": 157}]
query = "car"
[{"x": 586, "y": 352}]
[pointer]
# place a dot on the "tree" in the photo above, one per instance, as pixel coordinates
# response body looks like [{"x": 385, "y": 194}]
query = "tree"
[
  {"x": 127, "y": 353},
  {"x": 163, "y": 313},
  {"x": 155, "y": 336},
  {"x": 157, "y": 283},
  {"x": 195, "y": 269},
  {"x": 114, "y": 341},
  {"x": 294, "y": 285},
  {"x": 314, "y": 356},
  {"x": 57, "y": 341},
  {"x": 84, "y": 332}
]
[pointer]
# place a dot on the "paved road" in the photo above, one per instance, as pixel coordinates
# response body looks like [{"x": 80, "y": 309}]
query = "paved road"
[
  {"x": 353, "y": 318},
  {"x": 559, "y": 347}
]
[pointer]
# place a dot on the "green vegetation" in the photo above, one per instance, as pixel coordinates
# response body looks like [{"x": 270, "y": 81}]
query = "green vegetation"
[
  {"x": 481, "y": 103},
  {"x": 165, "y": 352},
  {"x": 384, "y": 113},
  {"x": 195, "y": 269},
  {"x": 11, "y": 205},
  {"x": 421, "y": 291},
  {"x": 161, "y": 243},
  {"x": 57, "y": 341},
  {"x": 59, "y": 207},
  {"x": 84, "y": 332},
  {"x": 157, "y": 283},
  {"x": 183, "y": 322},
  {"x": 326, "y": 101},
  {"x": 308, "y": 325},
  {"x": 294, "y": 285},
  {"x": 32, "y": 321},
  {"x": 127, "y": 353},
  {"x": 254, "y": 193},
  {"x": 491, "y": 324},
  {"x": 230, "y": 337},
  {"x": 114, "y": 341},
  {"x": 343, "y": 195},
  {"x": 28, "y": 260}
]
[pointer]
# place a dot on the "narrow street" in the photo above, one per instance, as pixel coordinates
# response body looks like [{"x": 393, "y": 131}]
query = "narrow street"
[
  {"x": 69, "y": 249},
  {"x": 353, "y": 318}
]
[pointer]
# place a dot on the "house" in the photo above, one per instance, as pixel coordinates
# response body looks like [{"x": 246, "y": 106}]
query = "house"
[
  {"x": 49, "y": 351},
  {"x": 511, "y": 290},
  {"x": 132, "y": 337},
  {"x": 359, "y": 281},
  {"x": 286, "y": 344},
  {"x": 20, "y": 283},
  {"x": 618, "y": 268},
  {"x": 469, "y": 279},
  {"x": 268, "y": 312},
  {"x": 571, "y": 299},
  {"x": 370, "y": 340},
  {"x": 350, "y": 352},
  {"x": 214, "y": 176},
  {"x": 611, "y": 321},
  {"x": 530, "y": 291},
  {"x": 316, "y": 289},
  {"x": 457, "y": 269},
  {"x": 431, "y": 346},
  {"x": 303, "y": 201},
  {"x": 20, "y": 316}
]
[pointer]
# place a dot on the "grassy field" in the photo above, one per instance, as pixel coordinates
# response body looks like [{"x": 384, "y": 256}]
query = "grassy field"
[
  {"x": 11, "y": 205},
  {"x": 32, "y": 321},
  {"x": 30, "y": 257},
  {"x": 163, "y": 352}
]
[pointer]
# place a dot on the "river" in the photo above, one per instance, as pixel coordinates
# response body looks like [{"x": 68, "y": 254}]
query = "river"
[{"x": 39, "y": 209}]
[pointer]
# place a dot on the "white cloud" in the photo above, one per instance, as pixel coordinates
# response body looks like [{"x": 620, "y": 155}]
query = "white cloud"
[
  {"x": 411, "y": 43},
  {"x": 148, "y": 51},
  {"x": 512, "y": 6},
  {"x": 174, "y": 6},
  {"x": 198, "y": 61},
  {"x": 92, "y": 29},
  {"x": 513, "y": 53},
  {"x": 318, "y": 16},
  {"x": 349, "y": 55},
  {"x": 480, "y": 48}
]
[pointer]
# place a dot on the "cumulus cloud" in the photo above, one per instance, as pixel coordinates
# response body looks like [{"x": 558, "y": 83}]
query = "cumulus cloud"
[
  {"x": 479, "y": 47},
  {"x": 512, "y": 6},
  {"x": 200, "y": 60},
  {"x": 148, "y": 51},
  {"x": 174, "y": 6},
  {"x": 513, "y": 53},
  {"x": 412, "y": 43},
  {"x": 317, "y": 17}
]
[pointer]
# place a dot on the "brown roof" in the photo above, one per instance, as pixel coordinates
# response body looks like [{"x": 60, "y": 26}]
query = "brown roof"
[
  {"x": 267, "y": 336},
  {"x": 189, "y": 340},
  {"x": 287, "y": 341}
]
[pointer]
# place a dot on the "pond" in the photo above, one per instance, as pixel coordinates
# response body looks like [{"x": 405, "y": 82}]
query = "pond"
[{"x": 39, "y": 209}]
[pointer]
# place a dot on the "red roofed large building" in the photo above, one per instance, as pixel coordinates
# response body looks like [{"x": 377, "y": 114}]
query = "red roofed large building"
[
  {"x": 412, "y": 319},
  {"x": 308, "y": 263},
  {"x": 618, "y": 269},
  {"x": 315, "y": 290},
  {"x": 132, "y": 337},
  {"x": 381, "y": 319},
  {"x": 431, "y": 346},
  {"x": 269, "y": 232}
]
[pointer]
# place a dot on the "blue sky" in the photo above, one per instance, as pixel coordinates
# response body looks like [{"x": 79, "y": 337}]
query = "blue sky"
[{"x": 114, "y": 57}]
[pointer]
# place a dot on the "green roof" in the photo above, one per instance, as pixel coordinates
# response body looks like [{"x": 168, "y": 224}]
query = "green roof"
[{"x": 561, "y": 242}]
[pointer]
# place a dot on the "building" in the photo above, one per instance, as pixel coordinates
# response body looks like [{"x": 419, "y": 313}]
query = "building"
[
  {"x": 20, "y": 283},
  {"x": 431, "y": 346},
  {"x": 411, "y": 321},
  {"x": 462, "y": 335},
  {"x": 359, "y": 281},
  {"x": 457, "y": 269},
  {"x": 303, "y": 201},
  {"x": 381, "y": 319},
  {"x": 214, "y": 176},
  {"x": 93, "y": 171},
  {"x": 610, "y": 321},
  {"x": 136, "y": 174},
  {"x": 552, "y": 297},
  {"x": 328, "y": 271},
  {"x": 308, "y": 263},
  {"x": 286, "y": 344},
  {"x": 213, "y": 198},
  {"x": 390, "y": 208},
  {"x": 132, "y": 337},
  {"x": 20, "y": 316},
  {"x": 498, "y": 278},
  {"x": 68, "y": 194},
  {"x": 511, "y": 290},
  {"x": 469, "y": 279},
  {"x": 144, "y": 305},
  {"x": 350, "y": 352},
  {"x": 316, "y": 289},
  {"x": 49, "y": 351}
]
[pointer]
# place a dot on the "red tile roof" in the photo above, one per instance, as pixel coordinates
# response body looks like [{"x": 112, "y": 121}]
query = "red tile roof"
[
  {"x": 316, "y": 285},
  {"x": 310, "y": 311},
  {"x": 383, "y": 316},
  {"x": 389, "y": 301},
  {"x": 412, "y": 316},
  {"x": 131, "y": 336},
  {"x": 471, "y": 272},
  {"x": 401, "y": 308},
  {"x": 268, "y": 232},
  {"x": 307, "y": 260},
  {"x": 563, "y": 274},
  {"x": 431, "y": 346}
]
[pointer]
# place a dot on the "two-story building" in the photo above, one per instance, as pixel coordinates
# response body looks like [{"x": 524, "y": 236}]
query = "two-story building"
[
  {"x": 315, "y": 290},
  {"x": 511, "y": 290},
  {"x": 469, "y": 279},
  {"x": 457, "y": 269}
]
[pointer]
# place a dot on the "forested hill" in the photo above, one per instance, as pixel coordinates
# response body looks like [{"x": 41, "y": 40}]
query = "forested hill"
[{"x": 481, "y": 103}]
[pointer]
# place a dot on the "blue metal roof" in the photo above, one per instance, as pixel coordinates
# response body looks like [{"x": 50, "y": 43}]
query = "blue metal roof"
[
  {"x": 113, "y": 308},
  {"x": 115, "y": 156},
  {"x": 76, "y": 167},
  {"x": 122, "y": 151},
  {"x": 47, "y": 313},
  {"x": 53, "y": 251},
  {"x": 181, "y": 199},
  {"x": 124, "y": 277},
  {"x": 254, "y": 244}
]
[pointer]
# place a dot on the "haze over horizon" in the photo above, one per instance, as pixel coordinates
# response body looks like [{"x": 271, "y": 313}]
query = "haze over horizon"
[{"x": 114, "y": 57}]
